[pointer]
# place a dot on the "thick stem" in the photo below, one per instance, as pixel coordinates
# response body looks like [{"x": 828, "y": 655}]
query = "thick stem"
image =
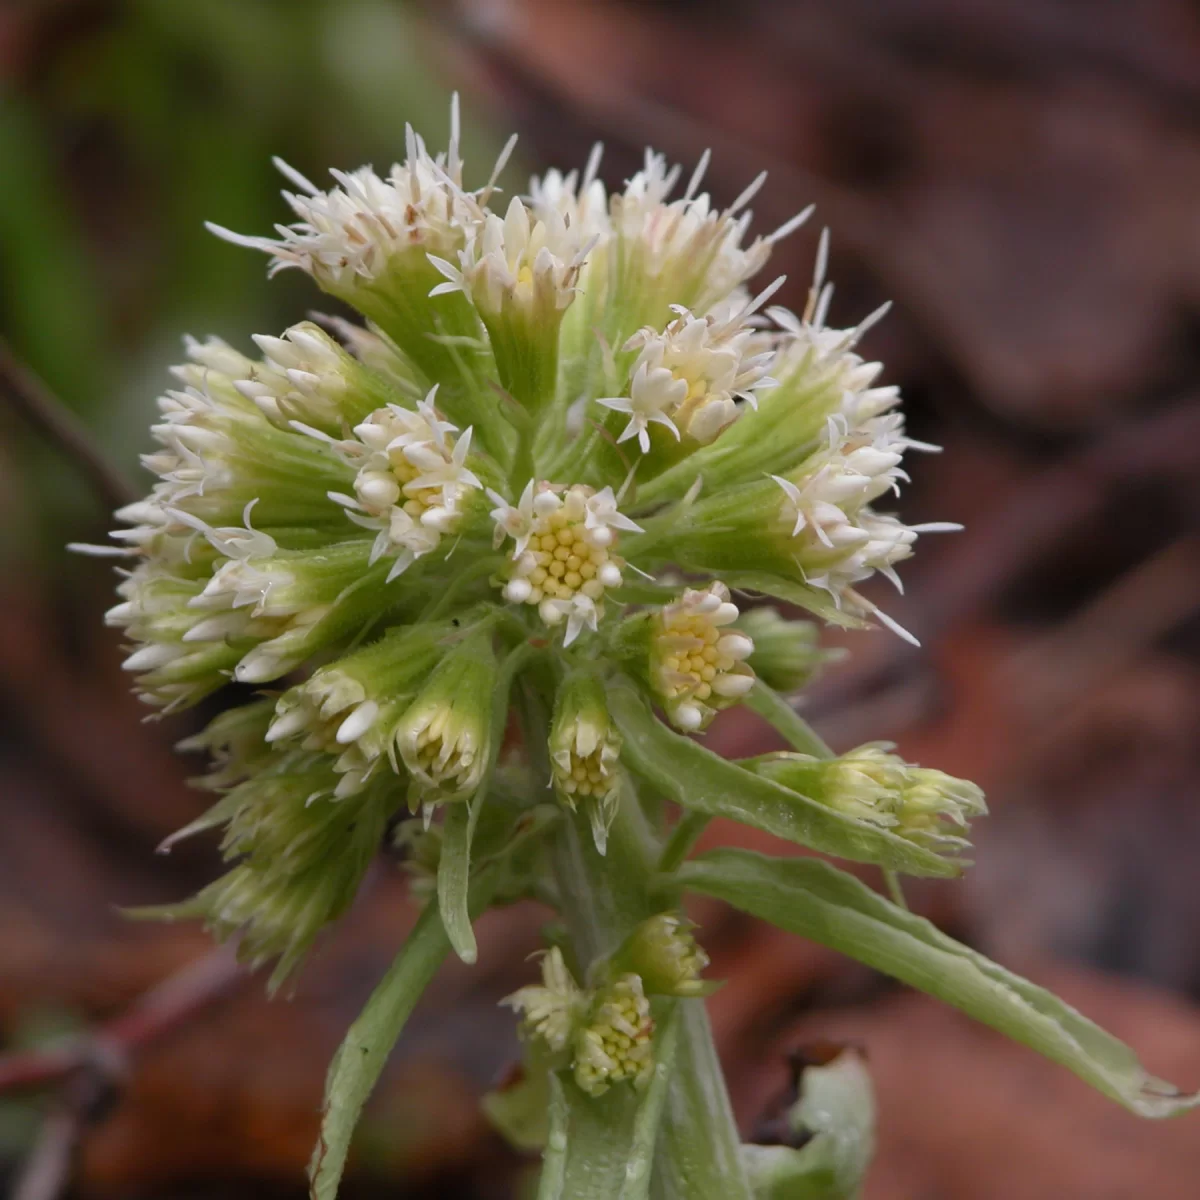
[{"x": 602, "y": 899}]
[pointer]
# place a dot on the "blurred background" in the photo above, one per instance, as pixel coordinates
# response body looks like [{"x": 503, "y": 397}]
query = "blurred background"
[{"x": 1019, "y": 176}]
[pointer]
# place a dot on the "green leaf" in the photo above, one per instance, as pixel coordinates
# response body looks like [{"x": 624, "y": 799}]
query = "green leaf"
[
  {"x": 646, "y": 1122},
  {"x": 458, "y": 831},
  {"x": 698, "y": 1155},
  {"x": 817, "y": 901},
  {"x": 554, "y": 1159},
  {"x": 454, "y": 871},
  {"x": 837, "y": 1111},
  {"x": 706, "y": 783},
  {"x": 360, "y": 1058}
]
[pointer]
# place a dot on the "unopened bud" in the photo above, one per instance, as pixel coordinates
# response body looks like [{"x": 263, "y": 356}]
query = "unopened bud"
[{"x": 663, "y": 952}]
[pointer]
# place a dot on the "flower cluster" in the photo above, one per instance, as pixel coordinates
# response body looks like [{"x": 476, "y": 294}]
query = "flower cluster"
[
  {"x": 555, "y": 414},
  {"x": 923, "y": 806},
  {"x": 605, "y": 1033}
]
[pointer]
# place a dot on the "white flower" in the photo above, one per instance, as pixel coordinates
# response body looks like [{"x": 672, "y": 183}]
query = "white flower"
[
  {"x": 532, "y": 265},
  {"x": 552, "y": 1009},
  {"x": 411, "y": 478},
  {"x": 562, "y": 560},
  {"x": 695, "y": 667},
  {"x": 581, "y": 203},
  {"x": 686, "y": 242},
  {"x": 690, "y": 376},
  {"x": 654, "y": 393},
  {"x": 352, "y": 232},
  {"x": 304, "y": 376}
]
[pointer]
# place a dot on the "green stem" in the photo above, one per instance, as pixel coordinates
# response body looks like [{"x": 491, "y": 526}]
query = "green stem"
[
  {"x": 683, "y": 837},
  {"x": 777, "y": 711},
  {"x": 602, "y": 899}
]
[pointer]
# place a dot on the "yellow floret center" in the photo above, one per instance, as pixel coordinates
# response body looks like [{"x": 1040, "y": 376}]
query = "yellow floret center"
[
  {"x": 559, "y": 560},
  {"x": 691, "y": 658}
]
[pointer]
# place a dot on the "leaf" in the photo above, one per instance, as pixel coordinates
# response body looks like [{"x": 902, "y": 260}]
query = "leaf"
[
  {"x": 815, "y": 900},
  {"x": 698, "y": 1155},
  {"x": 837, "y": 1111},
  {"x": 454, "y": 869},
  {"x": 636, "y": 1185},
  {"x": 360, "y": 1058},
  {"x": 602, "y": 1147},
  {"x": 706, "y": 783},
  {"x": 458, "y": 830}
]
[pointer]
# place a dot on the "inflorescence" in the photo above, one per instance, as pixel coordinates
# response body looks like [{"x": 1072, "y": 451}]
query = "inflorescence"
[{"x": 566, "y": 437}]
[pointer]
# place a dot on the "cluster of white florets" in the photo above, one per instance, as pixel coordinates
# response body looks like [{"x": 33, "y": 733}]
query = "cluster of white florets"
[
  {"x": 533, "y": 264},
  {"x": 410, "y": 481},
  {"x": 698, "y": 662},
  {"x": 689, "y": 377},
  {"x": 355, "y": 230},
  {"x": 563, "y": 557}
]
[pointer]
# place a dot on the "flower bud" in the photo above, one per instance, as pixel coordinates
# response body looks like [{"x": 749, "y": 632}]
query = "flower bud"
[
  {"x": 663, "y": 952},
  {"x": 697, "y": 660},
  {"x": 301, "y": 856},
  {"x": 445, "y": 735},
  {"x": 349, "y": 709},
  {"x": 584, "y": 751},
  {"x": 306, "y": 376},
  {"x": 786, "y": 653},
  {"x": 926, "y": 807},
  {"x": 520, "y": 273}
]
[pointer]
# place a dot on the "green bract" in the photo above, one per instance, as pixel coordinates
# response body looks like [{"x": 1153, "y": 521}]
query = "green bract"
[{"x": 482, "y": 557}]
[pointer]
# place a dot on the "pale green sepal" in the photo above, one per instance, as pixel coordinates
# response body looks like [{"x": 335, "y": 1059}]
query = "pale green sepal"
[
  {"x": 704, "y": 782},
  {"x": 810, "y": 898},
  {"x": 836, "y": 1110}
]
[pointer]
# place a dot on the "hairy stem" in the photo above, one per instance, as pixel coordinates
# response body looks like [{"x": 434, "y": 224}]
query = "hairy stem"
[{"x": 602, "y": 898}]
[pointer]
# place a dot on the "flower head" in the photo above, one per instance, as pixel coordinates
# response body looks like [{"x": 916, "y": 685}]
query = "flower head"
[
  {"x": 584, "y": 751},
  {"x": 445, "y": 735},
  {"x": 552, "y": 1010},
  {"x": 616, "y": 1044},
  {"x": 565, "y": 429},
  {"x": 411, "y": 480},
  {"x": 662, "y": 951},
  {"x": 697, "y": 661},
  {"x": 929, "y": 808},
  {"x": 563, "y": 559}
]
